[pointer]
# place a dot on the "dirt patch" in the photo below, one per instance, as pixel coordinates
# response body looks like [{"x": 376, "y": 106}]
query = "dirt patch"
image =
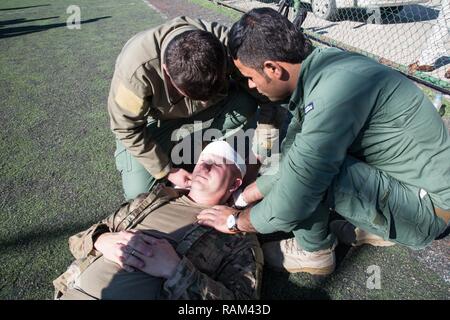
[{"x": 175, "y": 8}]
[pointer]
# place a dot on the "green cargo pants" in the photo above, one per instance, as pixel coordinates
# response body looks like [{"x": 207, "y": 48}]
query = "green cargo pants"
[
  {"x": 374, "y": 202},
  {"x": 237, "y": 111}
]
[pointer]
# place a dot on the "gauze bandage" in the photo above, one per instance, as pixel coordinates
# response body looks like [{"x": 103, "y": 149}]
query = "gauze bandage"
[{"x": 224, "y": 150}]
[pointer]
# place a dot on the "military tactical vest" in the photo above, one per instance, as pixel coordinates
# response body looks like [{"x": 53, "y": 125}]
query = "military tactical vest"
[{"x": 121, "y": 220}]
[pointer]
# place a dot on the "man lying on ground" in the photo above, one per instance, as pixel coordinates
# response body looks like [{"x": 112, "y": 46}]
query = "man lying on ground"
[{"x": 152, "y": 247}]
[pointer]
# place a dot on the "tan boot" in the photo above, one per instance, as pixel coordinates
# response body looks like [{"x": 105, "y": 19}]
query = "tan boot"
[
  {"x": 287, "y": 255},
  {"x": 353, "y": 236}
]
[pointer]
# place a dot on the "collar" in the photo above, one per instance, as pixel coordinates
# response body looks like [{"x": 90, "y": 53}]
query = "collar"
[{"x": 296, "y": 99}]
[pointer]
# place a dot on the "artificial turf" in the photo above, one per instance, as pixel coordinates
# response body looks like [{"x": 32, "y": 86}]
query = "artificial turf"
[{"x": 56, "y": 156}]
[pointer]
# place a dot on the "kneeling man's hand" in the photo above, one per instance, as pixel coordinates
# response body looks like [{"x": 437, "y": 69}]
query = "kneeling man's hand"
[
  {"x": 216, "y": 217},
  {"x": 180, "y": 177}
]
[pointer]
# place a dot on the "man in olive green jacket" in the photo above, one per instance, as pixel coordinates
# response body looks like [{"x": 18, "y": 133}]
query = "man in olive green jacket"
[
  {"x": 363, "y": 140},
  {"x": 167, "y": 78}
]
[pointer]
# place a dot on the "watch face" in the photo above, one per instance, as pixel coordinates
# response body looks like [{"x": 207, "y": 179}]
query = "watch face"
[{"x": 231, "y": 221}]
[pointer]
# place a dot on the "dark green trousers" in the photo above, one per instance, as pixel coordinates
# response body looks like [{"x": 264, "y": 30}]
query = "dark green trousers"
[{"x": 374, "y": 202}]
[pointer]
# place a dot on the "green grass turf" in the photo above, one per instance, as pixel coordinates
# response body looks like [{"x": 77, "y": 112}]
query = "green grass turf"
[
  {"x": 56, "y": 150},
  {"x": 401, "y": 277},
  {"x": 228, "y": 12},
  {"x": 56, "y": 155}
]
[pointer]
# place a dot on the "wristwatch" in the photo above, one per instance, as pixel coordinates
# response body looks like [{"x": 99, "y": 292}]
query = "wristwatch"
[{"x": 232, "y": 221}]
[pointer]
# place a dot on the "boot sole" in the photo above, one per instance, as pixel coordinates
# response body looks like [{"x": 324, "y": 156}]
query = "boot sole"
[
  {"x": 374, "y": 242},
  {"x": 313, "y": 271}
]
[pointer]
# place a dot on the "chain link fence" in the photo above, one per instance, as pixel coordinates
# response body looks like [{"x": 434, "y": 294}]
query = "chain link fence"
[{"x": 411, "y": 36}]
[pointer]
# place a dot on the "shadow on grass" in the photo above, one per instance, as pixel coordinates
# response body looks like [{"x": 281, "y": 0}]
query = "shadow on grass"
[
  {"x": 22, "y": 20},
  {"x": 20, "y": 8},
  {"x": 277, "y": 286},
  {"x": 20, "y": 31},
  {"x": 45, "y": 234}
]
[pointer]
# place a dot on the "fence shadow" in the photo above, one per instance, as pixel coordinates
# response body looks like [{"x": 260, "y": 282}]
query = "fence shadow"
[
  {"x": 20, "y": 8},
  {"x": 22, "y": 20},
  {"x": 277, "y": 286},
  {"x": 20, "y": 31}
]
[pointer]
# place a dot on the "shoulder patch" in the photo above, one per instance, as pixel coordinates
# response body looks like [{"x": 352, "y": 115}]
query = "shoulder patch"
[
  {"x": 309, "y": 107},
  {"x": 128, "y": 100}
]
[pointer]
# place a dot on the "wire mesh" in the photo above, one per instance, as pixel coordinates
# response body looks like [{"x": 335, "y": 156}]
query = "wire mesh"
[{"x": 409, "y": 35}]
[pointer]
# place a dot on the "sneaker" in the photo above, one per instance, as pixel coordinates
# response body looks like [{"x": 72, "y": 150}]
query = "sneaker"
[
  {"x": 287, "y": 255},
  {"x": 353, "y": 236}
]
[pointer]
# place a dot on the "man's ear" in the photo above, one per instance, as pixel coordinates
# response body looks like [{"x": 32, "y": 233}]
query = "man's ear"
[
  {"x": 273, "y": 69},
  {"x": 236, "y": 184}
]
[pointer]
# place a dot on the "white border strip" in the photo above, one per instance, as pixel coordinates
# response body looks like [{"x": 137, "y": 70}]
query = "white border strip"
[{"x": 156, "y": 9}]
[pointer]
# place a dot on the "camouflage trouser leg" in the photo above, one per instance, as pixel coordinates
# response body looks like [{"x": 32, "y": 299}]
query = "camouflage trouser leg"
[
  {"x": 237, "y": 111},
  {"x": 104, "y": 279}
]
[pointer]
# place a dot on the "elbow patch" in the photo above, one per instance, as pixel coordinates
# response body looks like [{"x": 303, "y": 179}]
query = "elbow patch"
[{"x": 128, "y": 100}]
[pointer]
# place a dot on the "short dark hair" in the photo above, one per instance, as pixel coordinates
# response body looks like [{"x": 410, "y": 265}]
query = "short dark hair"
[
  {"x": 264, "y": 34},
  {"x": 196, "y": 63}
]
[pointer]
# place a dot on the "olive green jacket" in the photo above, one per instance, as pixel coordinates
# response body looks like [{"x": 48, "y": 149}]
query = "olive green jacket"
[{"x": 139, "y": 90}]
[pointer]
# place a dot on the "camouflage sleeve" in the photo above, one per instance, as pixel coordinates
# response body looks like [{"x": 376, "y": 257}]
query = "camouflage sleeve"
[
  {"x": 82, "y": 244},
  {"x": 237, "y": 274}
]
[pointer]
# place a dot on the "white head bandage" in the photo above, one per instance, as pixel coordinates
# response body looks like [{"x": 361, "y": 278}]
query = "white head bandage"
[{"x": 224, "y": 150}]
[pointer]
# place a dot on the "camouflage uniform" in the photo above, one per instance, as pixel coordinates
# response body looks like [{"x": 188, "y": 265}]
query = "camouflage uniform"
[{"x": 213, "y": 265}]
